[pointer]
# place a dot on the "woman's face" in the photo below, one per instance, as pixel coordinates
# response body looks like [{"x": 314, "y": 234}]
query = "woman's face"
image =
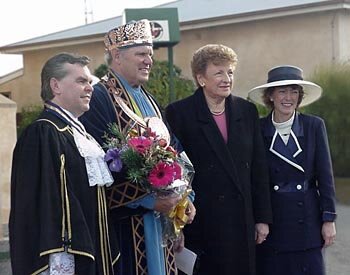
[
  {"x": 217, "y": 80},
  {"x": 285, "y": 101}
]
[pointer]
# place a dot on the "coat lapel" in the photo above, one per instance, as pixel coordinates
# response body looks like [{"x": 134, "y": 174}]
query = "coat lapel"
[
  {"x": 290, "y": 151},
  {"x": 214, "y": 137}
]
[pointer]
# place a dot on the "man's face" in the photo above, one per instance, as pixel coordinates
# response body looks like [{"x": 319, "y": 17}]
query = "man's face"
[
  {"x": 73, "y": 92},
  {"x": 134, "y": 64}
]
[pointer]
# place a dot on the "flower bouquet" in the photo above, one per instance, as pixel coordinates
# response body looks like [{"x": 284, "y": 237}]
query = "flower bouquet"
[{"x": 149, "y": 160}]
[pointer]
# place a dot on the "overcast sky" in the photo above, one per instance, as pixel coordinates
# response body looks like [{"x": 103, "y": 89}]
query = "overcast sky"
[{"x": 25, "y": 19}]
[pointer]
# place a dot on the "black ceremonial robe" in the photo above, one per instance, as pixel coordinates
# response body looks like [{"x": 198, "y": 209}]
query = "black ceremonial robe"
[{"x": 52, "y": 204}]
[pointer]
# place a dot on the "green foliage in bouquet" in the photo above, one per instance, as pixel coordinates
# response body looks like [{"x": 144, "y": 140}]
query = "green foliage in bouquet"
[{"x": 147, "y": 159}]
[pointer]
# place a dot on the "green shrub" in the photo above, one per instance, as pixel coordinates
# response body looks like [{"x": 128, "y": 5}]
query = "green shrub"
[
  {"x": 101, "y": 70},
  {"x": 158, "y": 83},
  {"x": 333, "y": 107},
  {"x": 27, "y": 116},
  {"x": 262, "y": 110}
]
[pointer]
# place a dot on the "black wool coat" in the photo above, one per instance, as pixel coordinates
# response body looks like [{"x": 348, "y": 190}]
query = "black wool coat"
[{"x": 231, "y": 182}]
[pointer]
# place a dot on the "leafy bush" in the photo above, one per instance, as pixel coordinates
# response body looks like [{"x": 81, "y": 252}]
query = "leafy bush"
[
  {"x": 333, "y": 107},
  {"x": 158, "y": 83},
  {"x": 27, "y": 116},
  {"x": 101, "y": 70}
]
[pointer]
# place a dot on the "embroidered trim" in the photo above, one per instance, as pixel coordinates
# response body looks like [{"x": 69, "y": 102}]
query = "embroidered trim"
[
  {"x": 139, "y": 241},
  {"x": 70, "y": 250},
  {"x": 65, "y": 116},
  {"x": 297, "y": 144},
  {"x": 67, "y": 128},
  {"x": 40, "y": 270},
  {"x": 116, "y": 259},
  {"x": 55, "y": 250},
  {"x": 62, "y": 178}
]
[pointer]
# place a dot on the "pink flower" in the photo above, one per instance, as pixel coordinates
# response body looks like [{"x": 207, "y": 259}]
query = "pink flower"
[
  {"x": 140, "y": 144},
  {"x": 164, "y": 174},
  {"x": 177, "y": 171}
]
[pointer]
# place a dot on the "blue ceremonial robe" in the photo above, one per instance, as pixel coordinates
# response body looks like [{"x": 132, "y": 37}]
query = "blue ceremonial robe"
[{"x": 135, "y": 221}]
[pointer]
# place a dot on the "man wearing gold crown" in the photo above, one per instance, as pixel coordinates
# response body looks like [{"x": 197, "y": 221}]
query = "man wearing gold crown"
[{"x": 120, "y": 98}]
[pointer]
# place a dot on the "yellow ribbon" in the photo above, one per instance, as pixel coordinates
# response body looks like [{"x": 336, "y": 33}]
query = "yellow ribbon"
[{"x": 178, "y": 214}]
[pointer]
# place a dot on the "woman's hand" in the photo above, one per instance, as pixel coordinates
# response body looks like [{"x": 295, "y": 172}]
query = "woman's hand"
[
  {"x": 328, "y": 233},
  {"x": 261, "y": 232}
]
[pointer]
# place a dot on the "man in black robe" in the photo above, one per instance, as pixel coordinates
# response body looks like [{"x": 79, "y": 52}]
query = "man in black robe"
[{"x": 58, "y": 218}]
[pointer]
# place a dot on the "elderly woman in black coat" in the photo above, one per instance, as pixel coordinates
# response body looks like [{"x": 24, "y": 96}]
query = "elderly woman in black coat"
[
  {"x": 301, "y": 177},
  {"x": 221, "y": 135}
]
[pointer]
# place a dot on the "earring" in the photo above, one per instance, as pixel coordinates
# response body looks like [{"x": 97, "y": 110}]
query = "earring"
[
  {"x": 271, "y": 99},
  {"x": 202, "y": 84}
]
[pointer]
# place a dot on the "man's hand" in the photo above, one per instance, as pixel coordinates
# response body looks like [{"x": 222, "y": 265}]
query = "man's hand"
[
  {"x": 190, "y": 212},
  {"x": 167, "y": 203},
  {"x": 328, "y": 233},
  {"x": 179, "y": 244},
  {"x": 261, "y": 232}
]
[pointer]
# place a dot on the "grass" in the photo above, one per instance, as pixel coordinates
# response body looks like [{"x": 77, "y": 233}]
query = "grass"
[
  {"x": 4, "y": 256},
  {"x": 342, "y": 190}
]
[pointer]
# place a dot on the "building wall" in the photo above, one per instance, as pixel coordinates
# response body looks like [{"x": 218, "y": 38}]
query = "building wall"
[
  {"x": 25, "y": 90},
  {"x": 343, "y": 21},
  {"x": 303, "y": 40},
  {"x": 307, "y": 40},
  {"x": 7, "y": 144}
]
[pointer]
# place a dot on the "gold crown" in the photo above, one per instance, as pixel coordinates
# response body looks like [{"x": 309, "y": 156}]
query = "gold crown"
[{"x": 131, "y": 34}]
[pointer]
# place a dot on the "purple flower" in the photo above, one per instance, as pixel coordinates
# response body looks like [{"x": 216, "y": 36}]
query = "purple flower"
[{"x": 113, "y": 155}]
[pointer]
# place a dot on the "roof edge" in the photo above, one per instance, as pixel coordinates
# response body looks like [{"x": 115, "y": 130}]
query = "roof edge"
[
  {"x": 11, "y": 76},
  {"x": 187, "y": 25}
]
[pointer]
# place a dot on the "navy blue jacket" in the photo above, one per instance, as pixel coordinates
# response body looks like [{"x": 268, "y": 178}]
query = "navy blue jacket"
[{"x": 302, "y": 183}]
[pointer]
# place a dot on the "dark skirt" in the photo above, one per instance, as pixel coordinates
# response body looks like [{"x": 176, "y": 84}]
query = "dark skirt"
[{"x": 305, "y": 262}]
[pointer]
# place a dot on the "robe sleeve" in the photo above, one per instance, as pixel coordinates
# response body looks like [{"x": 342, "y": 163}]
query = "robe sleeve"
[
  {"x": 36, "y": 217},
  {"x": 260, "y": 179},
  {"x": 324, "y": 174}
]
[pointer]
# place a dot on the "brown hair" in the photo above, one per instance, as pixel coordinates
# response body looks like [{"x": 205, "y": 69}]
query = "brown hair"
[
  {"x": 211, "y": 53},
  {"x": 54, "y": 67},
  {"x": 267, "y": 93}
]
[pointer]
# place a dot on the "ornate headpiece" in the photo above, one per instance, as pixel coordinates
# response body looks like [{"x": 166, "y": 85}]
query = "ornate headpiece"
[{"x": 132, "y": 34}]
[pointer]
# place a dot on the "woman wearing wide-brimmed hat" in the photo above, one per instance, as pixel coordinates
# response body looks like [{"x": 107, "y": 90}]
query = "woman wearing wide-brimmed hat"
[{"x": 301, "y": 177}]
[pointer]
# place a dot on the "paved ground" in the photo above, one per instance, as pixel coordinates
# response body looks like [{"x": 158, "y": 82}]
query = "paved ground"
[{"x": 337, "y": 256}]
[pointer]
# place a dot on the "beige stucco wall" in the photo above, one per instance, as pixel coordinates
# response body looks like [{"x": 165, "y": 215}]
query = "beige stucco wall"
[
  {"x": 306, "y": 40},
  {"x": 343, "y": 21},
  {"x": 25, "y": 90},
  {"x": 8, "y": 140},
  {"x": 303, "y": 40}
]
